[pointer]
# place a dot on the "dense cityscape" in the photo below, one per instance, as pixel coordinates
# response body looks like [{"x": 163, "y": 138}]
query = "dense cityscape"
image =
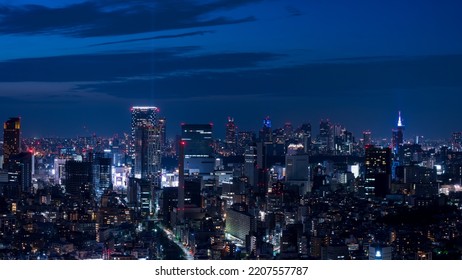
[{"x": 300, "y": 191}]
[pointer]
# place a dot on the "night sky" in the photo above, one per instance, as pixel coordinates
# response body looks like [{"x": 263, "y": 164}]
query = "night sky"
[{"x": 71, "y": 68}]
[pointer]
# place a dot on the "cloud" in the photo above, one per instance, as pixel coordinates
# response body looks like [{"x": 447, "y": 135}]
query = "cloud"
[
  {"x": 293, "y": 11},
  {"x": 156, "y": 38},
  {"x": 326, "y": 80},
  {"x": 107, "y": 18},
  {"x": 115, "y": 66}
]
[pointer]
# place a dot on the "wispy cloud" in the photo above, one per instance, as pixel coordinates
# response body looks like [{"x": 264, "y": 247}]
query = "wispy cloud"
[
  {"x": 187, "y": 34},
  {"x": 115, "y": 66},
  {"x": 106, "y": 18},
  {"x": 333, "y": 80}
]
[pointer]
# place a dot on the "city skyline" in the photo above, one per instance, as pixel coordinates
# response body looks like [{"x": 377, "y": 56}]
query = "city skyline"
[{"x": 202, "y": 61}]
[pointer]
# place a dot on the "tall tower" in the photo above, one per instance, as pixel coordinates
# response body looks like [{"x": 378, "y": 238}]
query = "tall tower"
[
  {"x": 142, "y": 116},
  {"x": 147, "y": 152},
  {"x": 146, "y": 143},
  {"x": 163, "y": 132},
  {"x": 231, "y": 136},
  {"x": 180, "y": 207},
  {"x": 398, "y": 135},
  {"x": 11, "y": 139}
]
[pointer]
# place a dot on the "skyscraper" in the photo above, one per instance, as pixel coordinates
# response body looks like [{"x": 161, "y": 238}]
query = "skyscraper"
[
  {"x": 398, "y": 135},
  {"x": 147, "y": 152},
  {"x": 20, "y": 166},
  {"x": 11, "y": 139},
  {"x": 147, "y": 136},
  {"x": 79, "y": 182},
  {"x": 142, "y": 116},
  {"x": 367, "y": 138},
  {"x": 231, "y": 136},
  {"x": 266, "y": 132},
  {"x": 326, "y": 136},
  {"x": 378, "y": 171},
  {"x": 305, "y": 130},
  {"x": 198, "y": 148},
  {"x": 163, "y": 132},
  {"x": 244, "y": 139}
]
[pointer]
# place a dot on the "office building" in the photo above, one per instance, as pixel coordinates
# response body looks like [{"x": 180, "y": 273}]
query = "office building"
[
  {"x": 230, "y": 140},
  {"x": 266, "y": 134},
  {"x": 198, "y": 150},
  {"x": 142, "y": 116},
  {"x": 79, "y": 181},
  {"x": 11, "y": 139},
  {"x": 147, "y": 164},
  {"x": 378, "y": 171},
  {"x": 21, "y": 166}
]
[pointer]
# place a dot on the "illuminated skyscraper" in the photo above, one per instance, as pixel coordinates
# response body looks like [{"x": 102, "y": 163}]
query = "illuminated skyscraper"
[
  {"x": 378, "y": 171},
  {"x": 20, "y": 173},
  {"x": 142, "y": 116},
  {"x": 11, "y": 139},
  {"x": 244, "y": 139},
  {"x": 147, "y": 152},
  {"x": 266, "y": 132},
  {"x": 163, "y": 132},
  {"x": 398, "y": 135},
  {"x": 198, "y": 148},
  {"x": 147, "y": 136},
  {"x": 231, "y": 136}
]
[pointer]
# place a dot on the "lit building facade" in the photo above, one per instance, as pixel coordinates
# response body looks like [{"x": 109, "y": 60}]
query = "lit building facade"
[{"x": 11, "y": 139}]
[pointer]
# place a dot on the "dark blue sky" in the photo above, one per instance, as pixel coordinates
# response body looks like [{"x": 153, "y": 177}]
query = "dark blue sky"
[{"x": 66, "y": 65}]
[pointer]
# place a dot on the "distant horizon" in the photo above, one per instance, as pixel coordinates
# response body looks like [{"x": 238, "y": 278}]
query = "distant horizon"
[{"x": 220, "y": 133}]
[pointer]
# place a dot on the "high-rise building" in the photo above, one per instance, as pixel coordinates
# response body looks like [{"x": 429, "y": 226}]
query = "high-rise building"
[
  {"x": 305, "y": 130},
  {"x": 457, "y": 141},
  {"x": 298, "y": 172},
  {"x": 140, "y": 196},
  {"x": 163, "y": 132},
  {"x": 147, "y": 152},
  {"x": 231, "y": 136},
  {"x": 148, "y": 133},
  {"x": 79, "y": 182},
  {"x": 11, "y": 139},
  {"x": 102, "y": 174},
  {"x": 288, "y": 131},
  {"x": 142, "y": 116},
  {"x": 398, "y": 136},
  {"x": 326, "y": 136},
  {"x": 378, "y": 171},
  {"x": 244, "y": 139},
  {"x": 266, "y": 134},
  {"x": 198, "y": 147},
  {"x": 250, "y": 165},
  {"x": 367, "y": 138},
  {"x": 20, "y": 174}
]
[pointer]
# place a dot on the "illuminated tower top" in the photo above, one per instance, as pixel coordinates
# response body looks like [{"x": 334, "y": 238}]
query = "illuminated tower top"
[{"x": 400, "y": 121}]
